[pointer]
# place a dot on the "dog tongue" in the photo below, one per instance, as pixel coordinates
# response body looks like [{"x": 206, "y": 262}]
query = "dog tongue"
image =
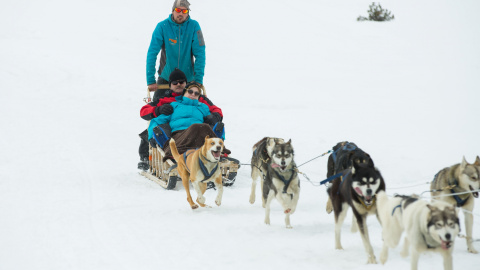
[
  {"x": 274, "y": 165},
  {"x": 359, "y": 191},
  {"x": 445, "y": 245}
]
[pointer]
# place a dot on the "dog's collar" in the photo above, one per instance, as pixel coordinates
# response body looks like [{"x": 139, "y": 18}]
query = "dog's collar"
[
  {"x": 369, "y": 207},
  {"x": 285, "y": 181}
]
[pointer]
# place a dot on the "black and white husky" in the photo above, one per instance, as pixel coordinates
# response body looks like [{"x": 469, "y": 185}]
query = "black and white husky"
[
  {"x": 357, "y": 189},
  {"x": 427, "y": 226},
  {"x": 273, "y": 162}
]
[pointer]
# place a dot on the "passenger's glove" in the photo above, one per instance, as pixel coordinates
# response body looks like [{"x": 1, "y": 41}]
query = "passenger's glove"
[
  {"x": 212, "y": 118},
  {"x": 165, "y": 109},
  {"x": 153, "y": 143}
]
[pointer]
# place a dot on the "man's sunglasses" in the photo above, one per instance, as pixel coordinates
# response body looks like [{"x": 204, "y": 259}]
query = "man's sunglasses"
[
  {"x": 178, "y": 82},
  {"x": 191, "y": 92},
  {"x": 179, "y": 10}
]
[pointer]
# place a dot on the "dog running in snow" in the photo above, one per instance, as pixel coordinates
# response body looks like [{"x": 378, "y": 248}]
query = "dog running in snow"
[
  {"x": 357, "y": 188},
  {"x": 273, "y": 162},
  {"x": 462, "y": 177},
  {"x": 200, "y": 166},
  {"x": 344, "y": 155},
  {"x": 427, "y": 226}
]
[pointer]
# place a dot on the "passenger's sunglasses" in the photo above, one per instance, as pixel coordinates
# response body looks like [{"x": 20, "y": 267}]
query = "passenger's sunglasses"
[
  {"x": 179, "y": 10},
  {"x": 191, "y": 92},
  {"x": 178, "y": 82}
]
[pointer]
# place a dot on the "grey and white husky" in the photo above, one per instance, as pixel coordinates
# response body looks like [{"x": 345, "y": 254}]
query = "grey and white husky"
[
  {"x": 273, "y": 162},
  {"x": 427, "y": 226},
  {"x": 462, "y": 177}
]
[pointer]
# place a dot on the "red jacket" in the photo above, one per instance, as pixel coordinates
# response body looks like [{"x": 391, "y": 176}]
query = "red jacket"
[{"x": 147, "y": 112}]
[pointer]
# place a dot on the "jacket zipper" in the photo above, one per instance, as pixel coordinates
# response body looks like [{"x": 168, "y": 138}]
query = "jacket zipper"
[{"x": 179, "y": 41}]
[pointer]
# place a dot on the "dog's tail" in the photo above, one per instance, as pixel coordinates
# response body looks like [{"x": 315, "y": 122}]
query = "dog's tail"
[{"x": 173, "y": 148}]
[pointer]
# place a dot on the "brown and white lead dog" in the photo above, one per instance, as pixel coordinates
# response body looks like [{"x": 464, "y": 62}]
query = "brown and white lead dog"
[{"x": 200, "y": 166}]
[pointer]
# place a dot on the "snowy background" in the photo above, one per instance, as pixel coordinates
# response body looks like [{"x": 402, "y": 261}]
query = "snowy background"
[{"x": 72, "y": 80}]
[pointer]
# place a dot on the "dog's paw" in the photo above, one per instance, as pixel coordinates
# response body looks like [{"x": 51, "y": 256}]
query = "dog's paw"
[
  {"x": 252, "y": 199},
  {"x": 287, "y": 211},
  {"x": 472, "y": 250},
  {"x": 194, "y": 206},
  {"x": 329, "y": 206},
  {"x": 201, "y": 200},
  {"x": 218, "y": 202},
  {"x": 372, "y": 259},
  {"x": 267, "y": 221},
  {"x": 289, "y": 227},
  {"x": 384, "y": 255}
]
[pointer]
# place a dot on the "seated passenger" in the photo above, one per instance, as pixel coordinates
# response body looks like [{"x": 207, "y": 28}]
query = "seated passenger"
[
  {"x": 161, "y": 105},
  {"x": 190, "y": 122}
]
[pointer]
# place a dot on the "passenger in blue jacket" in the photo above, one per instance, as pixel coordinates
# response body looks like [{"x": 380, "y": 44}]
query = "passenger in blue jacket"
[
  {"x": 189, "y": 124},
  {"x": 181, "y": 41}
]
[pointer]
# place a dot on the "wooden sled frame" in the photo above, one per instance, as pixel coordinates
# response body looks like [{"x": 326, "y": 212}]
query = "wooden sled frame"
[{"x": 165, "y": 173}]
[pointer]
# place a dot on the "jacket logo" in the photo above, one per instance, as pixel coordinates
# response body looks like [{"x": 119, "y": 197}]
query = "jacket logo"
[{"x": 172, "y": 41}]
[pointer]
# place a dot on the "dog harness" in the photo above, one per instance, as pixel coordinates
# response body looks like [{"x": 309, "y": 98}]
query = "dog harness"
[
  {"x": 202, "y": 166},
  {"x": 287, "y": 183},
  {"x": 347, "y": 147},
  {"x": 457, "y": 198},
  {"x": 204, "y": 169},
  {"x": 395, "y": 208}
]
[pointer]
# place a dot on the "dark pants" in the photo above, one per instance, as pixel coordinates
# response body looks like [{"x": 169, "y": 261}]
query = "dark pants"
[{"x": 143, "y": 149}]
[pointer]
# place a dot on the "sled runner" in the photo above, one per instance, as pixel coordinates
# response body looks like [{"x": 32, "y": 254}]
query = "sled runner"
[{"x": 165, "y": 172}]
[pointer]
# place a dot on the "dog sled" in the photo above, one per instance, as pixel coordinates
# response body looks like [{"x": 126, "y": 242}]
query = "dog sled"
[{"x": 165, "y": 172}]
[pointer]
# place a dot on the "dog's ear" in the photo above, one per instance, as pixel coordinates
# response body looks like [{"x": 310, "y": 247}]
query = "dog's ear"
[
  {"x": 355, "y": 167},
  {"x": 432, "y": 208},
  {"x": 477, "y": 161},
  {"x": 464, "y": 163},
  {"x": 207, "y": 137},
  {"x": 289, "y": 141}
]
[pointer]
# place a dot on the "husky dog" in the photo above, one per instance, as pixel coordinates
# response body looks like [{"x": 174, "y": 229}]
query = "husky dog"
[
  {"x": 357, "y": 189},
  {"x": 262, "y": 153},
  {"x": 427, "y": 226},
  {"x": 462, "y": 177},
  {"x": 273, "y": 160},
  {"x": 343, "y": 156}
]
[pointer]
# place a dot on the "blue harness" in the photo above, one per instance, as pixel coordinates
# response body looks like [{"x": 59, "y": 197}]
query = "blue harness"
[
  {"x": 457, "y": 198},
  {"x": 285, "y": 181},
  {"x": 202, "y": 166}
]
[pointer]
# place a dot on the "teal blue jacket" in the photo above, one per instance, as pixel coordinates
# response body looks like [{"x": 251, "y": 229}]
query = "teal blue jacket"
[
  {"x": 180, "y": 43},
  {"x": 186, "y": 112}
]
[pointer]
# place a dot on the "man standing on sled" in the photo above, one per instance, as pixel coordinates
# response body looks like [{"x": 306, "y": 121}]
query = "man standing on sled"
[{"x": 181, "y": 42}]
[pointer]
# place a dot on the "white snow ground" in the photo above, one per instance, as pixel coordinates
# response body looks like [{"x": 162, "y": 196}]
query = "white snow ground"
[{"x": 72, "y": 79}]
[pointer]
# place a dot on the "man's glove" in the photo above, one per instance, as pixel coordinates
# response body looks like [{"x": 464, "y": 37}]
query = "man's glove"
[
  {"x": 212, "y": 118},
  {"x": 165, "y": 109}
]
